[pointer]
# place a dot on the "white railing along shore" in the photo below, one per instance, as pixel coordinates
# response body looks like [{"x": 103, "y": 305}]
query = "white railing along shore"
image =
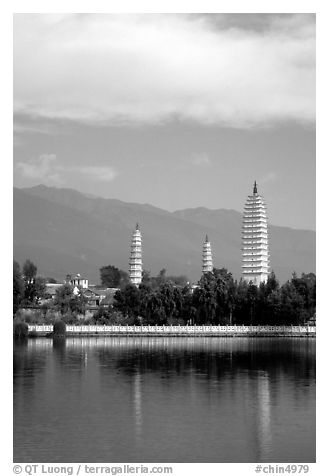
[{"x": 92, "y": 329}]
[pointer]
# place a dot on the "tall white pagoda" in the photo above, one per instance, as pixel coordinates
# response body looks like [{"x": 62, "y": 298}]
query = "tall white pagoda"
[
  {"x": 255, "y": 251},
  {"x": 135, "y": 262},
  {"x": 207, "y": 266}
]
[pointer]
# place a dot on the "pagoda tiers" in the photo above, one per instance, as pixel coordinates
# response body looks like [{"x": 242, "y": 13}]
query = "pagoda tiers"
[
  {"x": 255, "y": 254},
  {"x": 135, "y": 263},
  {"x": 207, "y": 266}
]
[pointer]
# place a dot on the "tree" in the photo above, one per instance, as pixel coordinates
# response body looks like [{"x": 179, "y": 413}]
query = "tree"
[
  {"x": 63, "y": 297},
  {"x": 157, "y": 281},
  {"x": 127, "y": 301},
  {"x": 66, "y": 301},
  {"x": 160, "y": 279},
  {"x": 29, "y": 271},
  {"x": 78, "y": 303},
  {"x": 18, "y": 286},
  {"x": 180, "y": 280},
  {"x": 59, "y": 328},
  {"x": 39, "y": 288},
  {"x": 155, "y": 311},
  {"x": 252, "y": 296},
  {"x": 146, "y": 276},
  {"x": 292, "y": 305},
  {"x": 29, "y": 275},
  {"x": 241, "y": 310},
  {"x": 124, "y": 278},
  {"x": 267, "y": 305},
  {"x": 21, "y": 330},
  {"x": 305, "y": 286},
  {"x": 35, "y": 286},
  {"x": 225, "y": 295},
  {"x": 273, "y": 308},
  {"x": 272, "y": 284},
  {"x": 188, "y": 311},
  {"x": 204, "y": 300},
  {"x": 113, "y": 277},
  {"x": 169, "y": 298}
]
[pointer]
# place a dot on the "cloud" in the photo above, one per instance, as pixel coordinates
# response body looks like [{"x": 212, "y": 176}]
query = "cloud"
[
  {"x": 42, "y": 169},
  {"x": 22, "y": 127},
  {"x": 47, "y": 170},
  {"x": 201, "y": 160},
  {"x": 150, "y": 68},
  {"x": 99, "y": 174}
]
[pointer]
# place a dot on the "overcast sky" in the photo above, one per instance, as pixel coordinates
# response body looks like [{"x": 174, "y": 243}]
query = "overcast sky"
[{"x": 176, "y": 110}]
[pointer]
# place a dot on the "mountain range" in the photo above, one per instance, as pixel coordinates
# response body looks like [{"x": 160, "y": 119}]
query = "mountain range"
[{"x": 64, "y": 231}]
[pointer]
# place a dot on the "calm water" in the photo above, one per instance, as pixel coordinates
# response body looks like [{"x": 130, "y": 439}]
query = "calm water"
[{"x": 142, "y": 399}]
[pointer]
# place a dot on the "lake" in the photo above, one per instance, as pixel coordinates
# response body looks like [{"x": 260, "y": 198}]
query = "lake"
[{"x": 164, "y": 399}]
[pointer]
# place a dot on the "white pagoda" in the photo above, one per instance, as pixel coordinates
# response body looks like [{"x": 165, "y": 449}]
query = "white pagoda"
[
  {"x": 135, "y": 262},
  {"x": 255, "y": 251},
  {"x": 207, "y": 266}
]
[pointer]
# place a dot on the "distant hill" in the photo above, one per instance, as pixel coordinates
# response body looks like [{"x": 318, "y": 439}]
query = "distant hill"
[{"x": 64, "y": 231}]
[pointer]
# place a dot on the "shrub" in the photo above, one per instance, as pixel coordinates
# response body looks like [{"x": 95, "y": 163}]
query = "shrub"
[
  {"x": 21, "y": 330},
  {"x": 70, "y": 318},
  {"x": 30, "y": 316},
  {"x": 110, "y": 317},
  {"x": 176, "y": 321},
  {"x": 59, "y": 329},
  {"x": 101, "y": 316},
  {"x": 33, "y": 334},
  {"x": 51, "y": 316},
  {"x": 86, "y": 322},
  {"x": 102, "y": 321}
]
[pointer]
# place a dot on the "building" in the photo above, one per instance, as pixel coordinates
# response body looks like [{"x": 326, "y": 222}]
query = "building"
[
  {"x": 108, "y": 299},
  {"x": 135, "y": 263},
  {"x": 92, "y": 298},
  {"x": 77, "y": 281},
  {"x": 94, "y": 295},
  {"x": 207, "y": 266},
  {"x": 255, "y": 250}
]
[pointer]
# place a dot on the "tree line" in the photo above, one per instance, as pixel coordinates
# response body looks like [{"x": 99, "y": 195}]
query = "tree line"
[
  {"x": 217, "y": 299},
  {"x": 29, "y": 290}
]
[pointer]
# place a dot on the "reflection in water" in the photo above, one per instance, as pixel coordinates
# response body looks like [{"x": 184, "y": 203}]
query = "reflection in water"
[
  {"x": 171, "y": 399},
  {"x": 264, "y": 415},
  {"x": 138, "y": 404}
]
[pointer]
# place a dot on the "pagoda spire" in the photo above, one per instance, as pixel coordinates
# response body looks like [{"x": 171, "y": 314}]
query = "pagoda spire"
[
  {"x": 255, "y": 188},
  {"x": 207, "y": 266}
]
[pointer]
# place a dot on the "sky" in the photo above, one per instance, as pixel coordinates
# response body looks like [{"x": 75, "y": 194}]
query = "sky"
[{"x": 175, "y": 110}]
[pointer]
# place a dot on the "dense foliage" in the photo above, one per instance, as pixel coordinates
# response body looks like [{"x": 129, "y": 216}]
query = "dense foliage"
[
  {"x": 113, "y": 277},
  {"x": 18, "y": 286},
  {"x": 21, "y": 330},
  {"x": 162, "y": 300},
  {"x": 219, "y": 299},
  {"x": 59, "y": 328},
  {"x": 68, "y": 302},
  {"x": 28, "y": 288},
  {"x": 156, "y": 281},
  {"x": 29, "y": 291}
]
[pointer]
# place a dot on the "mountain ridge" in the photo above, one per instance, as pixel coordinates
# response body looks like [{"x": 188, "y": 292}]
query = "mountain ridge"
[{"x": 64, "y": 228}]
